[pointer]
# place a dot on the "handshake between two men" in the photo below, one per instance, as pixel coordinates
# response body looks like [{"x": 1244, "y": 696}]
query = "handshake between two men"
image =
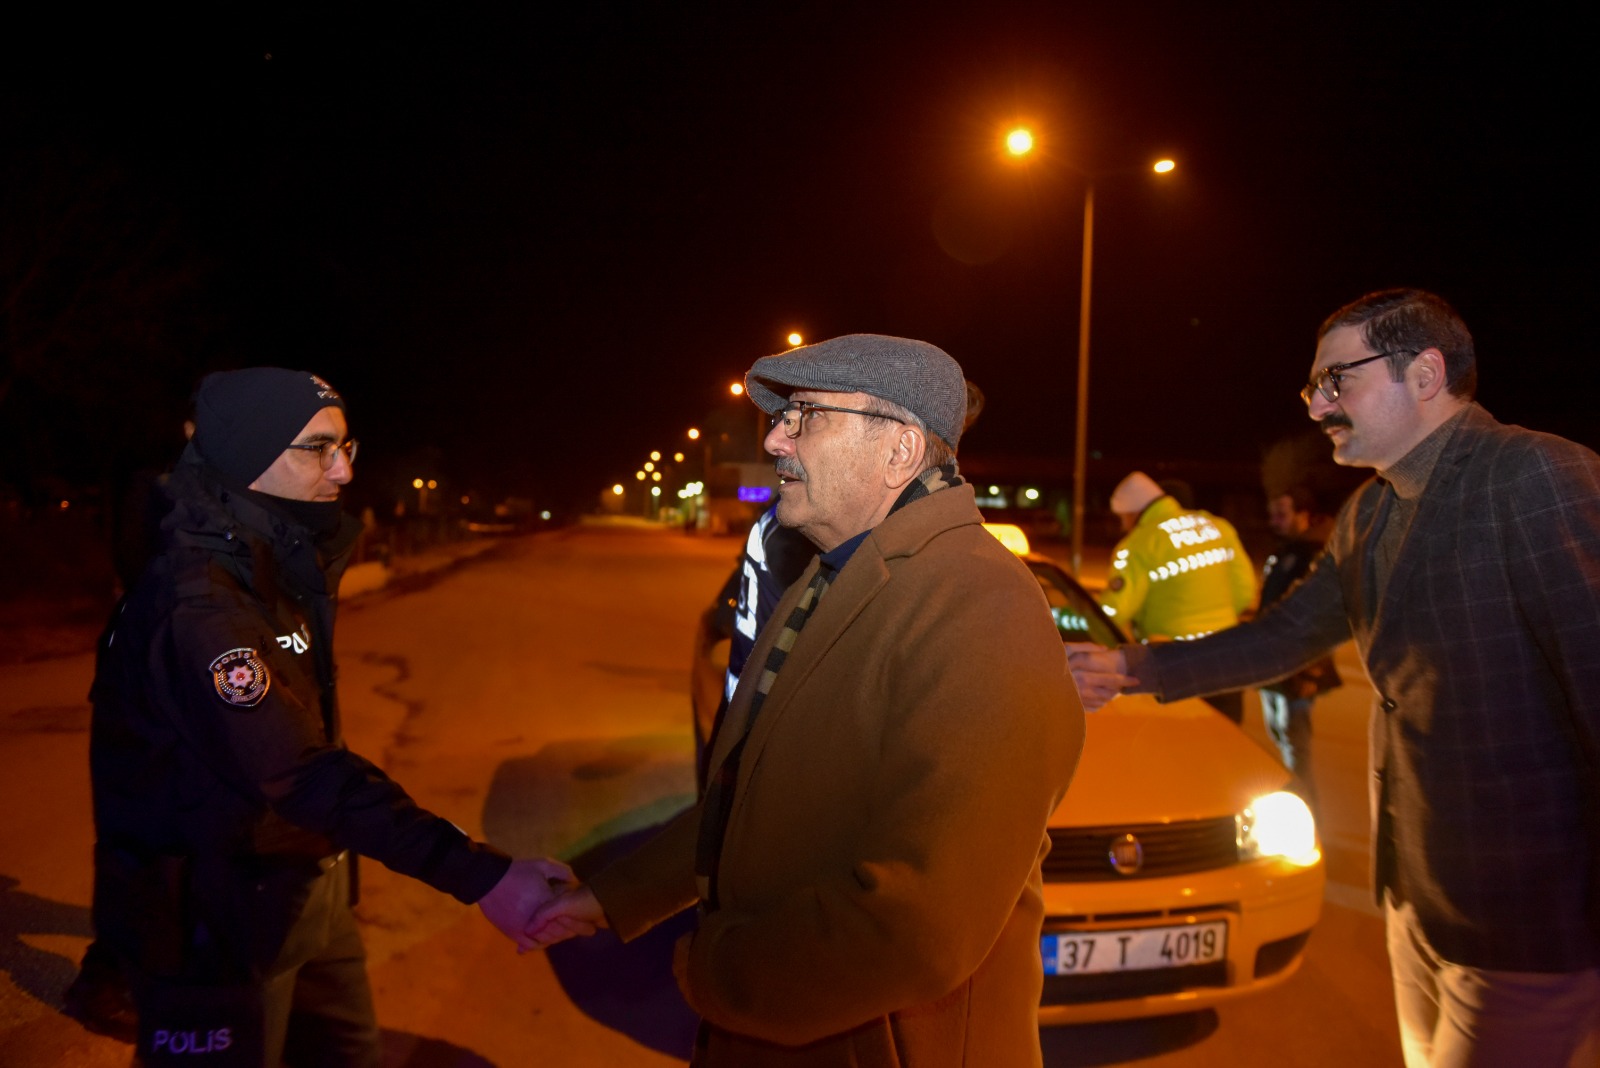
[{"x": 540, "y": 902}]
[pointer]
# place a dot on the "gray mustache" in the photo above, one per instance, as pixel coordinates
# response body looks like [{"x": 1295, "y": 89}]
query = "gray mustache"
[{"x": 789, "y": 468}]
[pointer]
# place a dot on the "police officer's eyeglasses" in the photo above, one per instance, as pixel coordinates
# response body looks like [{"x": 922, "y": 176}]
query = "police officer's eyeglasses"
[
  {"x": 1326, "y": 381},
  {"x": 327, "y": 450},
  {"x": 793, "y": 415}
]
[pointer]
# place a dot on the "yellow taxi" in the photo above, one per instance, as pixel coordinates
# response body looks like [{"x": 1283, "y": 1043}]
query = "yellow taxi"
[{"x": 1182, "y": 872}]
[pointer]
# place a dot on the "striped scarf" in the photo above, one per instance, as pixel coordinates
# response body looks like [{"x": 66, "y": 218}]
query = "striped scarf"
[{"x": 719, "y": 792}]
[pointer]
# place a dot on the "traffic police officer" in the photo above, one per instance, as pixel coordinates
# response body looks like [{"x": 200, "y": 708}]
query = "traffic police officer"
[
  {"x": 226, "y": 805},
  {"x": 1177, "y": 574}
]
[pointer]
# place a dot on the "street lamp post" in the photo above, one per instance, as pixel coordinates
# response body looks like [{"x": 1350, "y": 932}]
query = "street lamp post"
[
  {"x": 1019, "y": 142},
  {"x": 1080, "y": 433}
]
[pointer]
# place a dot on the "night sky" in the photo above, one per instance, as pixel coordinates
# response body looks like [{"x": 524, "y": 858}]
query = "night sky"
[{"x": 531, "y": 244}]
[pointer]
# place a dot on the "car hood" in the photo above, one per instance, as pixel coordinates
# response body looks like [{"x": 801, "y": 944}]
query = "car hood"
[{"x": 1145, "y": 762}]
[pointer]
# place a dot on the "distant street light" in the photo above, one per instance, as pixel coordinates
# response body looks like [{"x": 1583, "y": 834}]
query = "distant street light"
[
  {"x": 1019, "y": 142},
  {"x": 694, "y": 435},
  {"x": 737, "y": 389},
  {"x": 422, "y": 488},
  {"x": 795, "y": 340}
]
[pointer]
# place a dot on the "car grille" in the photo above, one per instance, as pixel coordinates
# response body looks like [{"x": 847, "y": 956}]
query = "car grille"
[{"x": 1083, "y": 854}]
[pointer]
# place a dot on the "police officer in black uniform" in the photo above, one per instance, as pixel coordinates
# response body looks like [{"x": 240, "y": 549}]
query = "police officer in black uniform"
[{"x": 227, "y": 808}]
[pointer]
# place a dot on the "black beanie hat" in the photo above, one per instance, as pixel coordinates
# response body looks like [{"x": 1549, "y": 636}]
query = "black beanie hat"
[{"x": 243, "y": 420}]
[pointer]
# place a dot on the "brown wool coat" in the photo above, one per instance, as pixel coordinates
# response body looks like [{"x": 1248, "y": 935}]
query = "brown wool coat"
[{"x": 880, "y": 884}]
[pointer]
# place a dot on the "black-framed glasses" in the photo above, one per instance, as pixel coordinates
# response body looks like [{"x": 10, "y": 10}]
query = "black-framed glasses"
[
  {"x": 1326, "y": 381},
  {"x": 327, "y": 450},
  {"x": 793, "y": 415}
]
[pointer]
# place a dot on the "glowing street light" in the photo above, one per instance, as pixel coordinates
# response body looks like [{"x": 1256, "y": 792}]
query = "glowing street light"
[
  {"x": 694, "y": 434},
  {"x": 737, "y": 389},
  {"x": 617, "y": 489},
  {"x": 655, "y": 454},
  {"x": 795, "y": 340},
  {"x": 1019, "y": 142}
]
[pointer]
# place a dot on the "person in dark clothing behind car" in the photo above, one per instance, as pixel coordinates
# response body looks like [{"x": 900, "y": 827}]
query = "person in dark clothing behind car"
[
  {"x": 226, "y": 805},
  {"x": 774, "y": 556},
  {"x": 1286, "y": 704}
]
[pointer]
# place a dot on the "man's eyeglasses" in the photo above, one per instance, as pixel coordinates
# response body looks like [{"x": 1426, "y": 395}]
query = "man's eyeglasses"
[
  {"x": 1326, "y": 381},
  {"x": 327, "y": 450},
  {"x": 793, "y": 415}
]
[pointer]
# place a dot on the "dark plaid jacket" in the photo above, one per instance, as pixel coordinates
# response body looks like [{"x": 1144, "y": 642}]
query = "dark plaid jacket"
[{"x": 1484, "y": 650}]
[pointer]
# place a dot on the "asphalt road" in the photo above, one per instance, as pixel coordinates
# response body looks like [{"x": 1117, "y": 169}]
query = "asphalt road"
[{"x": 538, "y": 696}]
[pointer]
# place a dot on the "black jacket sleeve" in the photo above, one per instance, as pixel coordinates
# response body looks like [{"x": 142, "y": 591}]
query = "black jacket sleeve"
[{"x": 250, "y": 710}]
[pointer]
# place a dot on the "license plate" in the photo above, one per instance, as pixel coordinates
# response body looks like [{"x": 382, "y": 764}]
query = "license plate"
[{"x": 1134, "y": 950}]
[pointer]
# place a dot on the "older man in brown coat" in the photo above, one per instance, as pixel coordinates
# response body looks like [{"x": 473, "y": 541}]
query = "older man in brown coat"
[{"x": 866, "y": 858}]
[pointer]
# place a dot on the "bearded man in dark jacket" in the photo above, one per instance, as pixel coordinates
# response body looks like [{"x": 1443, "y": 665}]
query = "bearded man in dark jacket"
[{"x": 227, "y": 809}]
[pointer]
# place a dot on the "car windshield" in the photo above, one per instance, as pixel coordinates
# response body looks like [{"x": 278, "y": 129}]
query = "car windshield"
[{"x": 1076, "y": 614}]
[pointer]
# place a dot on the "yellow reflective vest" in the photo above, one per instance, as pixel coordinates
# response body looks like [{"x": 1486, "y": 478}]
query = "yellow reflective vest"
[{"x": 1178, "y": 575}]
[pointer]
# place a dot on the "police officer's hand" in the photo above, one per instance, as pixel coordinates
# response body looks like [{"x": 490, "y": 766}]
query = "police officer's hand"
[
  {"x": 525, "y": 886},
  {"x": 1100, "y": 673}
]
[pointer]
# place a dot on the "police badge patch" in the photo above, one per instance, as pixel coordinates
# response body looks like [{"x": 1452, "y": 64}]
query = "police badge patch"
[{"x": 240, "y": 677}]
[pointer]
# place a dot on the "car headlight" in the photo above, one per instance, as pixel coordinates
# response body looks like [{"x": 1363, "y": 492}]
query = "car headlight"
[{"x": 1278, "y": 825}]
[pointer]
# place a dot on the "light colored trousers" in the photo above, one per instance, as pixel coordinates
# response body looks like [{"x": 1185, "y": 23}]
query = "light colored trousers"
[{"x": 1452, "y": 1016}]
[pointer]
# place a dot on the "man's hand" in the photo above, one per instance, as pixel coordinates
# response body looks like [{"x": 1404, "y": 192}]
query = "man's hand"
[
  {"x": 573, "y": 912},
  {"x": 1100, "y": 673},
  {"x": 524, "y": 887}
]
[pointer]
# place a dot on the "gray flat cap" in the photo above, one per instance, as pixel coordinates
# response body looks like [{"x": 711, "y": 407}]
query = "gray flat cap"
[{"x": 920, "y": 377}]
